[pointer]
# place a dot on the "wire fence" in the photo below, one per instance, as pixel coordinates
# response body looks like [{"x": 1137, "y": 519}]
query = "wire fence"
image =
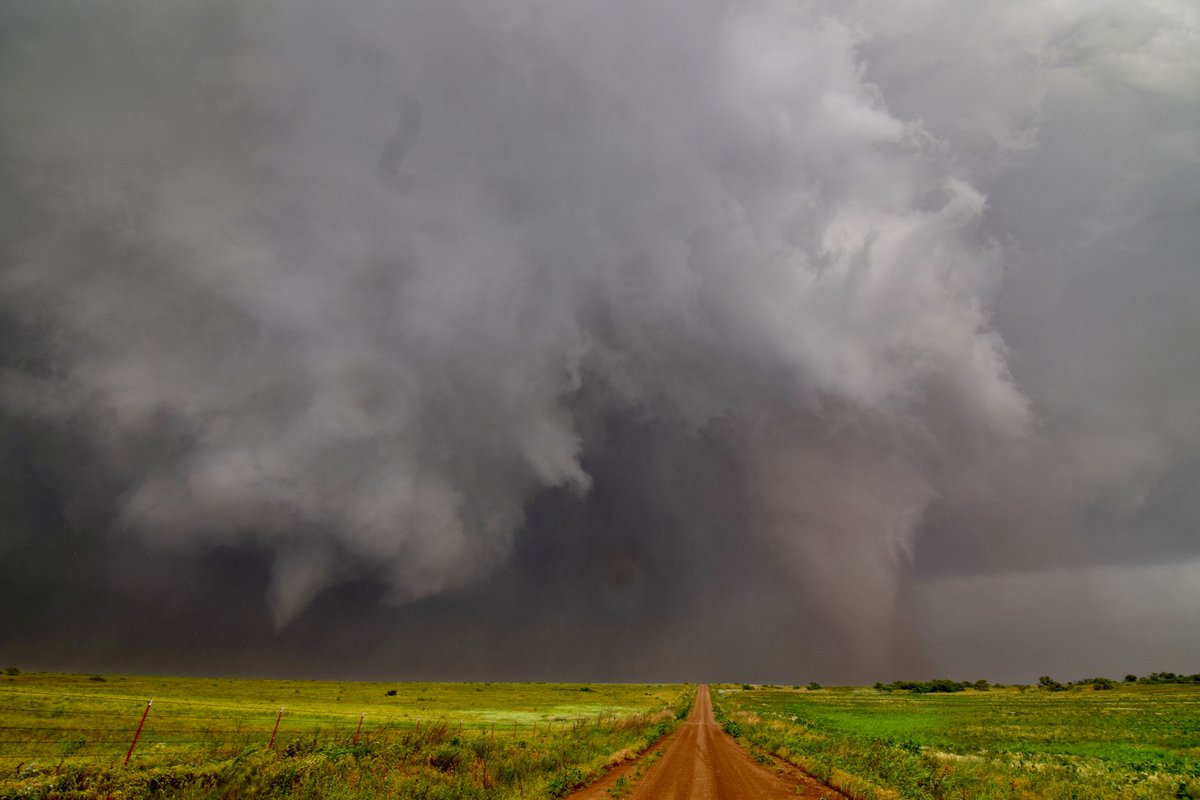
[{"x": 53, "y": 726}]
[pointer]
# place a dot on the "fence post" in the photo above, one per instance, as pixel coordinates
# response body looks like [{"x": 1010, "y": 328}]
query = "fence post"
[
  {"x": 137, "y": 733},
  {"x": 279, "y": 716},
  {"x": 357, "y": 732}
]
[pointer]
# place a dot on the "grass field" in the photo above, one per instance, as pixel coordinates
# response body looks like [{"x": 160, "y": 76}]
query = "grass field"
[
  {"x": 1134, "y": 741},
  {"x": 67, "y": 736}
]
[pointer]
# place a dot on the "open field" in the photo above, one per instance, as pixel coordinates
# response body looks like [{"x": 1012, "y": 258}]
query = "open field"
[
  {"x": 1134, "y": 741},
  {"x": 67, "y": 736}
]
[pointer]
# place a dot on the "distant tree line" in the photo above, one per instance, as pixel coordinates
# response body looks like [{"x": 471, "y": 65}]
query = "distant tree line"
[
  {"x": 1163, "y": 677},
  {"x": 935, "y": 686},
  {"x": 944, "y": 685},
  {"x": 1046, "y": 682}
]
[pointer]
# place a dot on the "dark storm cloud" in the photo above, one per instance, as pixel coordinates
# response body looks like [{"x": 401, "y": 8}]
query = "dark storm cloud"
[{"x": 712, "y": 335}]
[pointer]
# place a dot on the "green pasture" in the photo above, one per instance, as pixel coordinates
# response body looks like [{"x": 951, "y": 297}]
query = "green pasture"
[
  {"x": 416, "y": 739},
  {"x": 1134, "y": 741}
]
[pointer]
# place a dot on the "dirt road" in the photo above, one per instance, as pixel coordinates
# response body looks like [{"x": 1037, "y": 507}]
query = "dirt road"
[{"x": 702, "y": 761}]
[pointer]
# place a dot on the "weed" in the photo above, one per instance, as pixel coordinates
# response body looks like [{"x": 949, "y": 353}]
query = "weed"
[{"x": 620, "y": 788}]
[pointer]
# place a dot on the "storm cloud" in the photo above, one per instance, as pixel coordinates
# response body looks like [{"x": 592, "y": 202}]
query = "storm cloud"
[{"x": 646, "y": 339}]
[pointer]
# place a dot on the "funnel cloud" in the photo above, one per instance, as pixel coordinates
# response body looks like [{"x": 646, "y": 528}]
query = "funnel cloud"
[{"x": 650, "y": 340}]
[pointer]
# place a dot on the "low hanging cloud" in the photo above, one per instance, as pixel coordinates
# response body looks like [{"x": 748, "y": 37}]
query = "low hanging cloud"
[{"x": 357, "y": 288}]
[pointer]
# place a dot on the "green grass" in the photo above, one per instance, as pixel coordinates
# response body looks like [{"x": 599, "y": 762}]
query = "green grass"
[
  {"x": 67, "y": 736},
  {"x": 1131, "y": 742}
]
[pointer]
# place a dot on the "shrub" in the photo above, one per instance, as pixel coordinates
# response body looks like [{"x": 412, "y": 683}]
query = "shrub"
[
  {"x": 1169, "y": 677},
  {"x": 446, "y": 757},
  {"x": 565, "y": 781},
  {"x": 935, "y": 686}
]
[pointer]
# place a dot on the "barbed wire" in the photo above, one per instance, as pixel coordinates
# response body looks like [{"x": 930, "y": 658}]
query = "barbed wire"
[{"x": 45, "y": 731}]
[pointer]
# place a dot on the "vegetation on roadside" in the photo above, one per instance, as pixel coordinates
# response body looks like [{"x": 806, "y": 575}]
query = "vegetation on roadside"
[
  {"x": 1132, "y": 742},
  {"x": 66, "y": 737}
]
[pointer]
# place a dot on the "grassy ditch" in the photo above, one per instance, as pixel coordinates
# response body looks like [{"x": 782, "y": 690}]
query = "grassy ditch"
[
  {"x": 1134, "y": 742},
  {"x": 67, "y": 736}
]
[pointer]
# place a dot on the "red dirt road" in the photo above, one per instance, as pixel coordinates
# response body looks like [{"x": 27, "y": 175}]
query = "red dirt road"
[{"x": 702, "y": 761}]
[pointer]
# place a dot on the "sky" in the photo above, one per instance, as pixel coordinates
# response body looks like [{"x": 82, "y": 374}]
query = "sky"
[{"x": 627, "y": 340}]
